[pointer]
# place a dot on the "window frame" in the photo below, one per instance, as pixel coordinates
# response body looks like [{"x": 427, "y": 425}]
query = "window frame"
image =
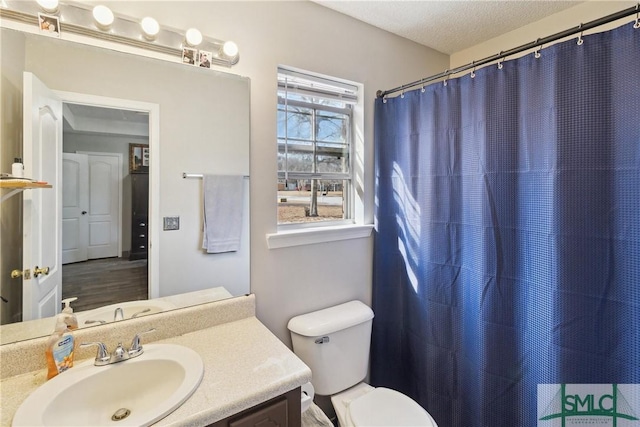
[{"x": 348, "y": 196}]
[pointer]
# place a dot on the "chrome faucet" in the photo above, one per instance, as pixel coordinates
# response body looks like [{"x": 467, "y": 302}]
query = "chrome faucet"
[
  {"x": 116, "y": 312},
  {"x": 146, "y": 310},
  {"x": 119, "y": 354}
]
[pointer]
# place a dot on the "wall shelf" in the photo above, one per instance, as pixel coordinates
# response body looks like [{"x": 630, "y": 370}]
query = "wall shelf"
[{"x": 19, "y": 186}]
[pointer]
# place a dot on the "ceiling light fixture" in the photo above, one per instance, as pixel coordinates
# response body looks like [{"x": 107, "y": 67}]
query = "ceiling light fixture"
[
  {"x": 103, "y": 17},
  {"x": 193, "y": 37},
  {"x": 49, "y": 6},
  {"x": 150, "y": 28}
]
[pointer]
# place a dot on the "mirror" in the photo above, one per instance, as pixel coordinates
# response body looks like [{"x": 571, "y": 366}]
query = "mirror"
[{"x": 202, "y": 128}]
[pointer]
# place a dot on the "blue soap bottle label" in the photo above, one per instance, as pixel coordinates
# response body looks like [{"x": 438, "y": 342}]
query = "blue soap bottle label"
[{"x": 63, "y": 353}]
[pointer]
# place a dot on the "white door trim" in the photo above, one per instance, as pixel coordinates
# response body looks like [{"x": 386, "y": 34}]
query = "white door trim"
[{"x": 154, "y": 175}]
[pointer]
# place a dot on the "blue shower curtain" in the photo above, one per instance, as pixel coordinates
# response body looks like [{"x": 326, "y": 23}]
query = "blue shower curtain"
[{"x": 507, "y": 238}]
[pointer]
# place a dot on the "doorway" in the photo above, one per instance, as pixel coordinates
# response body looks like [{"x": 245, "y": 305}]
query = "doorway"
[
  {"x": 97, "y": 205},
  {"x": 92, "y": 217}
]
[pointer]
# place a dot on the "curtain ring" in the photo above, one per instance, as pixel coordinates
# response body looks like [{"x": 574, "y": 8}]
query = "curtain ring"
[
  {"x": 423, "y": 90},
  {"x": 473, "y": 72},
  {"x": 536, "y": 53},
  {"x": 402, "y": 94},
  {"x": 500, "y": 61},
  {"x": 637, "y": 24},
  {"x": 384, "y": 99},
  {"x": 580, "y": 41},
  {"x": 446, "y": 77}
]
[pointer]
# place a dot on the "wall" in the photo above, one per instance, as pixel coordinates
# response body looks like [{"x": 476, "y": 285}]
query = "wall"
[
  {"x": 12, "y": 48},
  {"x": 119, "y": 144},
  {"x": 300, "y": 34},
  {"x": 569, "y": 18}
]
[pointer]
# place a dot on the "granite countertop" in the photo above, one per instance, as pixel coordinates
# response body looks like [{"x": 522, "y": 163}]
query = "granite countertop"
[
  {"x": 244, "y": 365},
  {"x": 19, "y": 331}
]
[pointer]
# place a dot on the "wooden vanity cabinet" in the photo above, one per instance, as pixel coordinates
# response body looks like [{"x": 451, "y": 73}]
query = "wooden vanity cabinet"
[
  {"x": 281, "y": 411},
  {"x": 139, "y": 216}
]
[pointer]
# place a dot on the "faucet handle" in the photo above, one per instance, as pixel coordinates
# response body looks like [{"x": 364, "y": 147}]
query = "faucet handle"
[
  {"x": 89, "y": 322},
  {"x": 102, "y": 357},
  {"x": 117, "y": 311},
  {"x": 136, "y": 347},
  {"x": 138, "y": 313}
]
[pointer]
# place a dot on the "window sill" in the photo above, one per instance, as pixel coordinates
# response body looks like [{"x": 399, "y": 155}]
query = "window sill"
[{"x": 310, "y": 236}]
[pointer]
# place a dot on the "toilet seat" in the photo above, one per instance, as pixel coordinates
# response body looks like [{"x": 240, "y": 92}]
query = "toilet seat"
[{"x": 385, "y": 407}]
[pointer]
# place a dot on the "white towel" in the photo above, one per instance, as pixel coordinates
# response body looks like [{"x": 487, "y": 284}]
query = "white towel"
[{"x": 223, "y": 205}]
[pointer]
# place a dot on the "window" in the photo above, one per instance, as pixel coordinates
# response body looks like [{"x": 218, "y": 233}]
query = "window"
[{"x": 315, "y": 132}]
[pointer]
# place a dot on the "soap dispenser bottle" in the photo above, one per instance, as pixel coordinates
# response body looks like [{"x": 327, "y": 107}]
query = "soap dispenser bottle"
[
  {"x": 60, "y": 349},
  {"x": 69, "y": 317}
]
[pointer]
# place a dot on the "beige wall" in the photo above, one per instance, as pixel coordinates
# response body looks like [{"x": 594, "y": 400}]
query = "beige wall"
[
  {"x": 12, "y": 52},
  {"x": 569, "y": 18},
  {"x": 300, "y": 34}
]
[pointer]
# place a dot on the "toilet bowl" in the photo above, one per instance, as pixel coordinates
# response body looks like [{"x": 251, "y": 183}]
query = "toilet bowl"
[{"x": 334, "y": 343}]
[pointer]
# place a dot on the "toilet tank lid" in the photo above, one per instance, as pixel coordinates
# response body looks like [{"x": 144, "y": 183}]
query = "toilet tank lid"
[{"x": 331, "y": 319}]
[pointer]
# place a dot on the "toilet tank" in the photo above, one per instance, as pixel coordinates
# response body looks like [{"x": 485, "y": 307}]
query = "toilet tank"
[{"x": 334, "y": 343}]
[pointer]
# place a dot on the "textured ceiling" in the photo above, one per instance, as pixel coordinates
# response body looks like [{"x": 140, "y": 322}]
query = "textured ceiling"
[{"x": 448, "y": 26}]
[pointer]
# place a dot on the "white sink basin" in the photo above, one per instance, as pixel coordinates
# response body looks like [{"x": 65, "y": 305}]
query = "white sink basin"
[
  {"x": 150, "y": 386},
  {"x": 129, "y": 308}
]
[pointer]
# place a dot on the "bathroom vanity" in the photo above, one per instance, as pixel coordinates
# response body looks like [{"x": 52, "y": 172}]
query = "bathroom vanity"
[
  {"x": 283, "y": 411},
  {"x": 250, "y": 376}
]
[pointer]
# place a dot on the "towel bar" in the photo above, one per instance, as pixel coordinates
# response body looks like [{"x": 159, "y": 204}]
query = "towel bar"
[{"x": 198, "y": 175}]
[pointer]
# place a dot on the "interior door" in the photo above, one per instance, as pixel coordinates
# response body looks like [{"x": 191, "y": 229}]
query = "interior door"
[
  {"x": 104, "y": 212},
  {"x": 42, "y": 208},
  {"x": 75, "y": 207}
]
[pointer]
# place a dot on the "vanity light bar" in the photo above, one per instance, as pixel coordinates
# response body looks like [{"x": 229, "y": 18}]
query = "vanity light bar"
[{"x": 78, "y": 19}]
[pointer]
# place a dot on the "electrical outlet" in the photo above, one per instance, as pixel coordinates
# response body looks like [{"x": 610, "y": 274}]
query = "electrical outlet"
[{"x": 171, "y": 223}]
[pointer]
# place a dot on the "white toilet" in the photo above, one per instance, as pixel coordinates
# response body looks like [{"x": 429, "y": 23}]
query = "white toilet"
[{"x": 334, "y": 343}]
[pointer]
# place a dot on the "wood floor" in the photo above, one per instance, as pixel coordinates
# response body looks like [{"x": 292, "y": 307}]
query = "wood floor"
[{"x": 106, "y": 281}]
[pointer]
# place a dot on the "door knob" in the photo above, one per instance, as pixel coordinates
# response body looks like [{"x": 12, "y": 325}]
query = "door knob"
[
  {"x": 38, "y": 271},
  {"x": 18, "y": 273},
  {"x": 84, "y": 212}
]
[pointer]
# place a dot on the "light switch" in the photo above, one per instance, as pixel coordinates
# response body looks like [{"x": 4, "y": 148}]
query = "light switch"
[{"x": 171, "y": 223}]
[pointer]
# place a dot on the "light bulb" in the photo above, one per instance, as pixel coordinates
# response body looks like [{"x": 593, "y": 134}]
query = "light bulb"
[
  {"x": 150, "y": 27},
  {"x": 50, "y": 6},
  {"x": 193, "y": 37},
  {"x": 103, "y": 17},
  {"x": 230, "y": 49}
]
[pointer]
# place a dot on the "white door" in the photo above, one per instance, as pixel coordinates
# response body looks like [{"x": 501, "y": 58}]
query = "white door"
[
  {"x": 42, "y": 208},
  {"x": 75, "y": 206},
  {"x": 104, "y": 202}
]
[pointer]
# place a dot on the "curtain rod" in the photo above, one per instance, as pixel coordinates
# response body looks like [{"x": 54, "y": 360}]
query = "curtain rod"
[{"x": 539, "y": 42}]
